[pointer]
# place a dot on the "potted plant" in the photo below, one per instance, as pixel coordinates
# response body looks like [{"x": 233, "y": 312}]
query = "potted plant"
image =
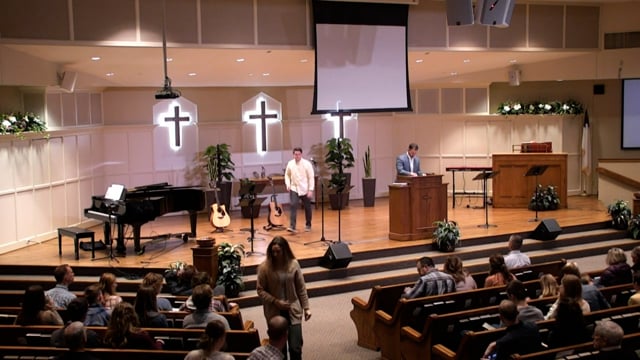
[
  {"x": 620, "y": 214},
  {"x": 339, "y": 157},
  {"x": 446, "y": 235},
  {"x": 545, "y": 199},
  {"x": 230, "y": 269},
  {"x": 634, "y": 227},
  {"x": 217, "y": 161},
  {"x": 368, "y": 181}
]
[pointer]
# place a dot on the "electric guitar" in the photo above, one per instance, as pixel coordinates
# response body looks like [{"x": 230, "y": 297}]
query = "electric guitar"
[
  {"x": 219, "y": 216},
  {"x": 276, "y": 214}
]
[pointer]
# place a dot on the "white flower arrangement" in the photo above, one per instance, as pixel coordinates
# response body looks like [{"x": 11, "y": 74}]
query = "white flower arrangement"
[
  {"x": 569, "y": 107},
  {"x": 19, "y": 123}
]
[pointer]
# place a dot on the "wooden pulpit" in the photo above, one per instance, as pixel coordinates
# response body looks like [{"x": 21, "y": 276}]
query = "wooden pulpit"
[
  {"x": 206, "y": 259},
  {"x": 414, "y": 204}
]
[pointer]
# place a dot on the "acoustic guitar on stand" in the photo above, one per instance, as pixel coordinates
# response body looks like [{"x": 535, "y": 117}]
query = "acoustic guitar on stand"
[
  {"x": 219, "y": 216},
  {"x": 277, "y": 218}
]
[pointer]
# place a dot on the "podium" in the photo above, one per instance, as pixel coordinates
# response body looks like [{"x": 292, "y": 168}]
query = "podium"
[
  {"x": 206, "y": 259},
  {"x": 415, "y": 202}
]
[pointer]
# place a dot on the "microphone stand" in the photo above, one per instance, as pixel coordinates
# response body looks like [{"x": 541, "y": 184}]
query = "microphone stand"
[{"x": 322, "y": 239}]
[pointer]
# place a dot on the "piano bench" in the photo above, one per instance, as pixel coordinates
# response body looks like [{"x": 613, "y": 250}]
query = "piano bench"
[{"x": 76, "y": 233}]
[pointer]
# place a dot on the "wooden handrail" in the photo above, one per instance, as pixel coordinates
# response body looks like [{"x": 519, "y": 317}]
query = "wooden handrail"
[{"x": 619, "y": 178}]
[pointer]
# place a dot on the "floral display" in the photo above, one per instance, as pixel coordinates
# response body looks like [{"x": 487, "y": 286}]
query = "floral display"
[
  {"x": 19, "y": 123},
  {"x": 569, "y": 107}
]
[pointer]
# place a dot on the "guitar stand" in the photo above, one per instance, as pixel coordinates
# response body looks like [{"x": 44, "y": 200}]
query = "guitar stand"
[{"x": 322, "y": 239}]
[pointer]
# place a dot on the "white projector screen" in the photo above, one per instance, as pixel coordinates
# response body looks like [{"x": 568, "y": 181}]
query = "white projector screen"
[
  {"x": 361, "y": 58},
  {"x": 630, "y": 113}
]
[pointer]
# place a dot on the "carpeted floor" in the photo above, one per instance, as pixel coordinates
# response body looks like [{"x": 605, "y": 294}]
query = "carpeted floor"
[{"x": 330, "y": 333}]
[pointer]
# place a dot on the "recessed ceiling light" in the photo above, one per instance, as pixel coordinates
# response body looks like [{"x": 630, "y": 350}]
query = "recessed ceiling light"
[
  {"x": 265, "y": 74},
  {"x": 453, "y": 73},
  {"x": 466, "y": 61},
  {"x": 513, "y": 61},
  {"x": 95, "y": 58},
  {"x": 169, "y": 59},
  {"x": 419, "y": 61},
  {"x": 304, "y": 60},
  {"x": 240, "y": 60},
  {"x": 110, "y": 74},
  {"x": 250, "y": 74},
  {"x": 192, "y": 74}
]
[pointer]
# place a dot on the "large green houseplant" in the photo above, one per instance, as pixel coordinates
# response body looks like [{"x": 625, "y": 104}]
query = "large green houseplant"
[
  {"x": 219, "y": 166},
  {"x": 230, "y": 268},
  {"x": 446, "y": 236},
  {"x": 620, "y": 214},
  {"x": 368, "y": 181},
  {"x": 339, "y": 156}
]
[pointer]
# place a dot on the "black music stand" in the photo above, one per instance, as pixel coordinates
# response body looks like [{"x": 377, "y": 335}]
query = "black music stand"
[
  {"x": 485, "y": 176},
  {"x": 248, "y": 194},
  {"x": 536, "y": 170}
]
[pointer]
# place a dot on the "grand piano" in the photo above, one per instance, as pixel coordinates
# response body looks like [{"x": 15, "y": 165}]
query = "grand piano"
[{"x": 141, "y": 205}]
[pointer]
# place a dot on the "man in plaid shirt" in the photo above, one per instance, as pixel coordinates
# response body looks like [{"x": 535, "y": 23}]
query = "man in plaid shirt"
[{"x": 432, "y": 281}]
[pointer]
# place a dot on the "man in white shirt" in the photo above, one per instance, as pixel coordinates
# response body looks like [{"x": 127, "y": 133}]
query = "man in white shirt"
[
  {"x": 299, "y": 179},
  {"x": 515, "y": 258}
]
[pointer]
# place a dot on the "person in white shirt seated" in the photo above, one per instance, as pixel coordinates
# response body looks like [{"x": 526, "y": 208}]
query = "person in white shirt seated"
[{"x": 515, "y": 258}]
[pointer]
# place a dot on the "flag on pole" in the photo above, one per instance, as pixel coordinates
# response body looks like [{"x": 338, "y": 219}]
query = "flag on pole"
[{"x": 586, "y": 145}]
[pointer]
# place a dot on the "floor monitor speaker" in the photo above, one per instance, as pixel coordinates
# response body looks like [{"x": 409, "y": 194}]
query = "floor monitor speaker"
[
  {"x": 459, "y": 12},
  {"x": 337, "y": 256},
  {"x": 548, "y": 229},
  {"x": 496, "y": 12}
]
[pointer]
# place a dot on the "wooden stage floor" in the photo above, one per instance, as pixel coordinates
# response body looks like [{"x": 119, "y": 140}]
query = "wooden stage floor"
[{"x": 363, "y": 228}]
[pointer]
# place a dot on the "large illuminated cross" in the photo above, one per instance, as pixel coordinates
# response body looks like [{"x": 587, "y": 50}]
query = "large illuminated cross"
[
  {"x": 339, "y": 122},
  {"x": 261, "y": 125},
  {"x": 177, "y": 119}
]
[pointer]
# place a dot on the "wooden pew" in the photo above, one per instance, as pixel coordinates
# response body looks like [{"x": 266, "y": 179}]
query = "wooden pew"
[
  {"x": 233, "y": 316},
  {"x": 527, "y": 273},
  {"x": 630, "y": 341},
  {"x": 363, "y": 313},
  {"x": 474, "y": 344},
  {"x": 238, "y": 341},
  {"x": 14, "y": 297},
  {"x": 30, "y": 352}
]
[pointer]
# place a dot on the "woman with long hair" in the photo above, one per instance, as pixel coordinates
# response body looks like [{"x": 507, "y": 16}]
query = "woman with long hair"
[
  {"x": 37, "y": 309},
  {"x": 282, "y": 289},
  {"x": 147, "y": 309},
  {"x": 210, "y": 344},
  {"x": 464, "y": 281},
  {"x": 108, "y": 284},
  {"x": 124, "y": 330},
  {"x": 618, "y": 272},
  {"x": 570, "y": 290},
  {"x": 499, "y": 275},
  {"x": 548, "y": 286}
]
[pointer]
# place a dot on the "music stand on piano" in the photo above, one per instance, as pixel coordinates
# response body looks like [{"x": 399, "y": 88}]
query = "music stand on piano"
[
  {"x": 484, "y": 176},
  {"x": 248, "y": 196},
  {"x": 113, "y": 199},
  {"x": 536, "y": 170}
]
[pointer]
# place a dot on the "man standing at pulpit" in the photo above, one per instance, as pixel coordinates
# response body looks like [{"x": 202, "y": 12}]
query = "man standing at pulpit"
[
  {"x": 299, "y": 179},
  {"x": 408, "y": 164}
]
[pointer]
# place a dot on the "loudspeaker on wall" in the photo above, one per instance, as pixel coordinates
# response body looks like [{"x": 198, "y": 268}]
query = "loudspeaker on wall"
[
  {"x": 68, "y": 81},
  {"x": 459, "y": 12},
  {"x": 514, "y": 77},
  {"x": 496, "y": 12},
  {"x": 337, "y": 256},
  {"x": 548, "y": 229}
]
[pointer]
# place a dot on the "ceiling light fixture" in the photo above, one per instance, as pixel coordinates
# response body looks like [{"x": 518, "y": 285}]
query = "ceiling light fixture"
[
  {"x": 167, "y": 92},
  {"x": 95, "y": 58},
  {"x": 240, "y": 60}
]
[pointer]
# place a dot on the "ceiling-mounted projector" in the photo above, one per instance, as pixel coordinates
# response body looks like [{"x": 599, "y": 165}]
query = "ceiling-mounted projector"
[{"x": 167, "y": 92}]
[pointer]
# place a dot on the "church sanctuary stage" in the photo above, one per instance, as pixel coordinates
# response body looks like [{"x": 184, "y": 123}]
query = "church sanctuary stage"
[{"x": 365, "y": 229}]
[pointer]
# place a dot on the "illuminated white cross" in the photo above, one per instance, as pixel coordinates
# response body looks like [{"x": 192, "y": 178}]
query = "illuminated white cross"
[
  {"x": 177, "y": 120},
  {"x": 338, "y": 118},
  {"x": 260, "y": 121}
]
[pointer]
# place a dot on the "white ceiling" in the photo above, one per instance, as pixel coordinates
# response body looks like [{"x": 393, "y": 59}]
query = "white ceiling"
[{"x": 143, "y": 66}]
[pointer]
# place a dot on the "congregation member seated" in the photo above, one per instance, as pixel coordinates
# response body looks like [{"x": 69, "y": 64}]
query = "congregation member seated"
[
  {"x": 76, "y": 311},
  {"x": 210, "y": 344},
  {"x": 515, "y": 258},
  {"x": 147, "y": 309},
  {"x": 635, "y": 298},
  {"x": 97, "y": 315},
  {"x": 590, "y": 293},
  {"x": 635, "y": 258},
  {"x": 517, "y": 293},
  {"x": 75, "y": 338},
  {"x": 521, "y": 337},
  {"x": 431, "y": 282},
  {"x": 60, "y": 294},
  {"x": 570, "y": 327},
  {"x": 607, "y": 339},
  {"x": 499, "y": 275},
  {"x": 124, "y": 330},
  {"x": 37, "y": 309},
  {"x": 202, "y": 295},
  {"x": 464, "y": 281},
  {"x": 548, "y": 286},
  {"x": 617, "y": 272},
  {"x": 219, "y": 304},
  {"x": 156, "y": 281},
  {"x": 570, "y": 290},
  {"x": 108, "y": 285},
  {"x": 179, "y": 281},
  {"x": 278, "y": 332}
]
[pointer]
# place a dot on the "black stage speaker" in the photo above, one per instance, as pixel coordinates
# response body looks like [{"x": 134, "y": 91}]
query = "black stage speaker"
[
  {"x": 496, "y": 12},
  {"x": 337, "y": 256},
  {"x": 459, "y": 12},
  {"x": 548, "y": 229}
]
